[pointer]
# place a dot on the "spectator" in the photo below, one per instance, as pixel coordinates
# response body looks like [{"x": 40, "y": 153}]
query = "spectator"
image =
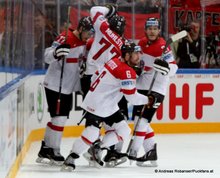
[
  {"x": 44, "y": 36},
  {"x": 189, "y": 49},
  {"x": 2, "y": 35}
]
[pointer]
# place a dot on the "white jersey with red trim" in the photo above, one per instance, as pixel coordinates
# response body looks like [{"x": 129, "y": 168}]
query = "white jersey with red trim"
[
  {"x": 71, "y": 81},
  {"x": 115, "y": 80},
  {"x": 151, "y": 51},
  {"x": 106, "y": 45}
]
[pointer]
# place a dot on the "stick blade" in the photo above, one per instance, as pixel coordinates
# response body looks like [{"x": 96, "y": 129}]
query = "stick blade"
[{"x": 179, "y": 35}]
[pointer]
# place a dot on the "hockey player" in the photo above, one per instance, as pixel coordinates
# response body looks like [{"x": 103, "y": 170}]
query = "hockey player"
[
  {"x": 68, "y": 47},
  {"x": 152, "y": 46},
  {"x": 116, "y": 79},
  {"x": 107, "y": 42}
]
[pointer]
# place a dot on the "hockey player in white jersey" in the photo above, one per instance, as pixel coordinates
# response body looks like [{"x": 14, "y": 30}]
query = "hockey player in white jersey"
[
  {"x": 116, "y": 79},
  {"x": 68, "y": 47},
  {"x": 152, "y": 46},
  {"x": 107, "y": 42}
]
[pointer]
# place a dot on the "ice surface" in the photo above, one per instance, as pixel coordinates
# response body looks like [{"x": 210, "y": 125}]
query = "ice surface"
[{"x": 176, "y": 152}]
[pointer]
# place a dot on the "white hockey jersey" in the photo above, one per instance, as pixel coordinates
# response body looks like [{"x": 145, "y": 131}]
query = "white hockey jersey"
[
  {"x": 71, "y": 81},
  {"x": 115, "y": 80},
  {"x": 151, "y": 51},
  {"x": 106, "y": 45}
]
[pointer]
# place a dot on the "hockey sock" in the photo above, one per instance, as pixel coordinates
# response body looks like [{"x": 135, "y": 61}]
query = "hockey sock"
[
  {"x": 139, "y": 134},
  {"x": 149, "y": 140},
  {"x": 88, "y": 137},
  {"x": 54, "y": 132}
]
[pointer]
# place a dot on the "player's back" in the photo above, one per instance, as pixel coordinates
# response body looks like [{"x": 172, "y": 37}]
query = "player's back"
[
  {"x": 106, "y": 45},
  {"x": 106, "y": 90}
]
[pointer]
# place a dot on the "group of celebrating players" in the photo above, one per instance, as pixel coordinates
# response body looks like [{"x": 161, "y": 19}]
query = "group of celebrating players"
[{"x": 113, "y": 70}]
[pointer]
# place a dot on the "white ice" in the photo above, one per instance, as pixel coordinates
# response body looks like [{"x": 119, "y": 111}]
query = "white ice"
[{"x": 197, "y": 152}]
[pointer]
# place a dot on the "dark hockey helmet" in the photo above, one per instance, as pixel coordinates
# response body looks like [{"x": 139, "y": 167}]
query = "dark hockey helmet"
[
  {"x": 117, "y": 24},
  {"x": 129, "y": 47},
  {"x": 86, "y": 24},
  {"x": 150, "y": 22}
]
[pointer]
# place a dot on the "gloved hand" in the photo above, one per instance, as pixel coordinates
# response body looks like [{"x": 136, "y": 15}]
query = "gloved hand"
[
  {"x": 151, "y": 101},
  {"x": 139, "y": 68},
  {"x": 161, "y": 66},
  {"x": 61, "y": 51},
  {"x": 112, "y": 10}
]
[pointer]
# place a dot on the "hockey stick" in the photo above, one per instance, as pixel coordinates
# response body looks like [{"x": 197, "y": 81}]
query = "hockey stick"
[
  {"x": 172, "y": 39},
  {"x": 62, "y": 67}
]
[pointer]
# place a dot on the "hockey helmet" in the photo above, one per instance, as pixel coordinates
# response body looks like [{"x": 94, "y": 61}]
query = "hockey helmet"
[
  {"x": 117, "y": 24},
  {"x": 86, "y": 24},
  {"x": 150, "y": 22},
  {"x": 129, "y": 47}
]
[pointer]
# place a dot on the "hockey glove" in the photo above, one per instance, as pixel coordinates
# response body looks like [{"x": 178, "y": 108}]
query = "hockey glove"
[
  {"x": 139, "y": 68},
  {"x": 151, "y": 101},
  {"x": 61, "y": 51},
  {"x": 112, "y": 11},
  {"x": 161, "y": 66}
]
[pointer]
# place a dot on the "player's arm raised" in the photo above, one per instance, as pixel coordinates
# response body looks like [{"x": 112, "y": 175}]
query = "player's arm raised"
[{"x": 107, "y": 11}]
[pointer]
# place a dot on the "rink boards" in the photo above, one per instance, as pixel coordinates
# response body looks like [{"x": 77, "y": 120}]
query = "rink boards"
[{"x": 191, "y": 106}]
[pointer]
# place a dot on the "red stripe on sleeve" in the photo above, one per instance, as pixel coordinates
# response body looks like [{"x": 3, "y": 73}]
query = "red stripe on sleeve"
[
  {"x": 128, "y": 92},
  {"x": 96, "y": 16},
  {"x": 172, "y": 62},
  {"x": 71, "y": 60},
  {"x": 146, "y": 68}
]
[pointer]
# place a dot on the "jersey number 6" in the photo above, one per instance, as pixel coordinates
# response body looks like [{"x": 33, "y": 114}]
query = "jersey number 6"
[{"x": 96, "y": 82}]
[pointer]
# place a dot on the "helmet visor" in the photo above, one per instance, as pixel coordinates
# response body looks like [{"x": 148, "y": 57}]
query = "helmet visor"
[
  {"x": 151, "y": 23},
  {"x": 137, "y": 49}
]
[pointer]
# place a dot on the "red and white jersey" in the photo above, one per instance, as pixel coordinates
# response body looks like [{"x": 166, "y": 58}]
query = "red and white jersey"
[
  {"x": 71, "y": 81},
  {"x": 106, "y": 45},
  {"x": 114, "y": 80},
  {"x": 151, "y": 51}
]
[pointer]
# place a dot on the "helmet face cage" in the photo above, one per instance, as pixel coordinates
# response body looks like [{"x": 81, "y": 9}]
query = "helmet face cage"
[
  {"x": 152, "y": 22},
  {"x": 117, "y": 24},
  {"x": 86, "y": 24}
]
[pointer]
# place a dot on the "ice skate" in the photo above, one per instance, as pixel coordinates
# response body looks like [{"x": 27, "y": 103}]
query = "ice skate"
[
  {"x": 114, "y": 158},
  {"x": 96, "y": 153},
  {"x": 132, "y": 156},
  {"x": 69, "y": 163},
  {"x": 149, "y": 159},
  {"x": 88, "y": 156},
  {"x": 48, "y": 155}
]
